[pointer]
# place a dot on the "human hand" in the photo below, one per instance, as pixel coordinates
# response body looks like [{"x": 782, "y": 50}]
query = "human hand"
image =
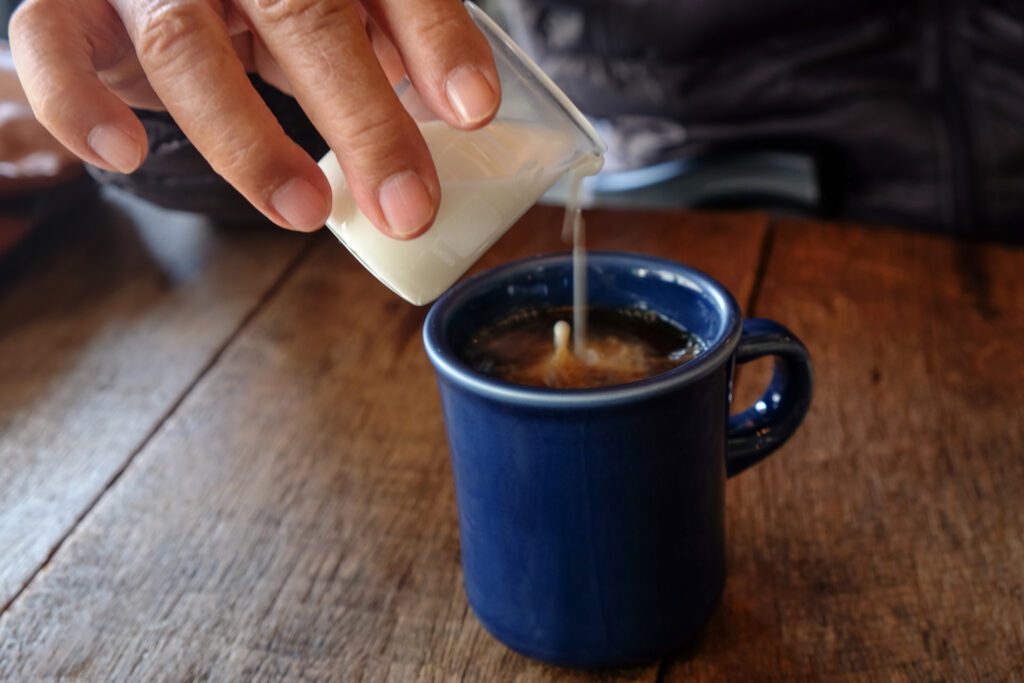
[{"x": 83, "y": 63}]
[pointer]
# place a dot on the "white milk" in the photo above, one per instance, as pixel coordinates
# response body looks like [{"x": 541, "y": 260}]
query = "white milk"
[
  {"x": 574, "y": 228},
  {"x": 489, "y": 178}
]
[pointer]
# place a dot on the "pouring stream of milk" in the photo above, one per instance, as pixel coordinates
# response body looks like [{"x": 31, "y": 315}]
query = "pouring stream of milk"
[
  {"x": 574, "y": 228},
  {"x": 489, "y": 178}
]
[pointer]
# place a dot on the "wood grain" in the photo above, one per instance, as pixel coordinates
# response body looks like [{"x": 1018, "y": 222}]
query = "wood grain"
[
  {"x": 295, "y": 519},
  {"x": 105, "y": 321},
  {"x": 886, "y": 541}
]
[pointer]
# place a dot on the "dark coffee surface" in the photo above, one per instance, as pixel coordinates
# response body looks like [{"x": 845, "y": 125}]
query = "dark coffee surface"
[{"x": 622, "y": 346}]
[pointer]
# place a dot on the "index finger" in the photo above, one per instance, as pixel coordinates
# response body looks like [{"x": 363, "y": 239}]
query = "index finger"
[
  {"x": 187, "y": 55},
  {"x": 323, "y": 49}
]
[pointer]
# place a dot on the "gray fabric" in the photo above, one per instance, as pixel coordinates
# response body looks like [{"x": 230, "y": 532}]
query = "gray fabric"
[
  {"x": 174, "y": 175},
  {"x": 915, "y": 108}
]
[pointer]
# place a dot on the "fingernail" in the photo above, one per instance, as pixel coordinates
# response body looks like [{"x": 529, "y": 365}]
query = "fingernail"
[
  {"x": 405, "y": 202},
  {"x": 300, "y": 204},
  {"x": 470, "y": 94},
  {"x": 115, "y": 147}
]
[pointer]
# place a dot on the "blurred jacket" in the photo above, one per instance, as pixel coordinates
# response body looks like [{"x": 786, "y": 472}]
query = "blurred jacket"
[{"x": 915, "y": 110}]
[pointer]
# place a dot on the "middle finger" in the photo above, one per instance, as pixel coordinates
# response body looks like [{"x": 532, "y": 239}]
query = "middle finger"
[{"x": 323, "y": 49}]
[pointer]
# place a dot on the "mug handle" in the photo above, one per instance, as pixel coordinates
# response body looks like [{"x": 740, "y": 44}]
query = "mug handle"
[{"x": 761, "y": 429}]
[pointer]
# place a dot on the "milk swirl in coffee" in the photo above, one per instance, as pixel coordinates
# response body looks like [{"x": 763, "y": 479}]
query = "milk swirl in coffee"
[
  {"x": 532, "y": 347},
  {"x": 539, "y": 347},
  {"x": 623, "y": 346}
]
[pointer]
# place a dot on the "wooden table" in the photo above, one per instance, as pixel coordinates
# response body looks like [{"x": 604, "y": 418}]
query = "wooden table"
[{"x": 222, "y": 459}]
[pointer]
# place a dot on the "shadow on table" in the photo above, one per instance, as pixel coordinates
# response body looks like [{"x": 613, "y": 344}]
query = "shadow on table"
[{"x": 83, "y": 275}]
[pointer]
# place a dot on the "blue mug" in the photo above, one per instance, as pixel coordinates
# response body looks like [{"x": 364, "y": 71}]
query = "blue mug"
[{"x": 592, "y": 520}]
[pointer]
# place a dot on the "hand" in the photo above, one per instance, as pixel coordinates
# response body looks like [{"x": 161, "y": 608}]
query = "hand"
[{"x": 83, "y": 63}]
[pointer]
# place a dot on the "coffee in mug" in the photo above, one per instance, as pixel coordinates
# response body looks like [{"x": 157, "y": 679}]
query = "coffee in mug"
[{"x": 533, "y": 347}]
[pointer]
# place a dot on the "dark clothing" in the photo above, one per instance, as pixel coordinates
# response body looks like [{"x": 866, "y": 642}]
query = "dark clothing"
[
  {"x": 915, "y": 109},
  {"x": 176, "y": 176}
]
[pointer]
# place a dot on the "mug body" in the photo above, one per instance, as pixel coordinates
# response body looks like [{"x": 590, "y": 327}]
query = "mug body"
[{"x": 591, "y": 521}]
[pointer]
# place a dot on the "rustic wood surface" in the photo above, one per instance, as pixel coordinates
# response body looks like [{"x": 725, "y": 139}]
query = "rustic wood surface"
[
  {"x": 106, "y": 320},
  {"x": 886, "y": 541},
  {"x": 294, "y": 518},
  {"x": 281, "y": 507}
]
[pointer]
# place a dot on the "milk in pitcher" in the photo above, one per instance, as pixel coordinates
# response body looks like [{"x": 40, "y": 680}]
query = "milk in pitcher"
[{"x": 489, "y": 178}]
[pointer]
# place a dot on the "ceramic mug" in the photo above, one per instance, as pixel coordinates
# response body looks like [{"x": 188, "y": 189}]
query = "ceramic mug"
[{"x": 592, "y": 520}]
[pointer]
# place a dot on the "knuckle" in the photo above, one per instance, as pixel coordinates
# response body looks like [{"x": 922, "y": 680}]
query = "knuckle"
[
  {"x": 377, "y": 146},
  {"x": 442, "y": 29},
  {"x": 309, "y": 14},
  {"x": 168, "y": 28},
  {"x": 372, "y": 133},
  {"x": 50, "y": 107},
  {"x": 237, "y": 159}
]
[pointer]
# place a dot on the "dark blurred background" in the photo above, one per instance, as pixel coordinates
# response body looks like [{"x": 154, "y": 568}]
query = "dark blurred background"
[{"x": 905, "y": 112}]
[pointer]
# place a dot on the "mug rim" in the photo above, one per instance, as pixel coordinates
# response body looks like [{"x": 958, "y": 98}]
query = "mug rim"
[{"x": 447, "y": 363}]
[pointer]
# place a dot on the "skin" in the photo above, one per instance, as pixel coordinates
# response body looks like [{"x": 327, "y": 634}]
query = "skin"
[{"x": 84, "y": 63}]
